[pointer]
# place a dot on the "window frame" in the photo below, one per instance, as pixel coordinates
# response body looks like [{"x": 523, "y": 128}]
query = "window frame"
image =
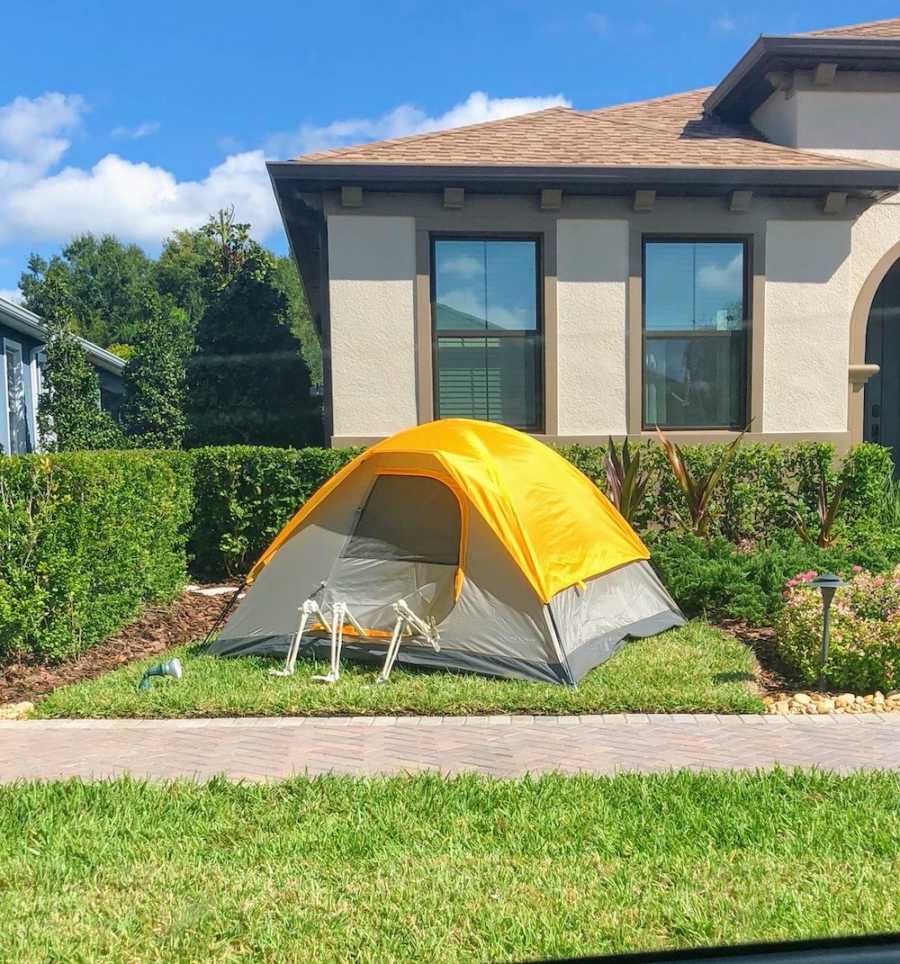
[
  {"x": 27, "y": 375},
  {"x": 538, "y": 334},
  {"x": 746, "y": 241}
]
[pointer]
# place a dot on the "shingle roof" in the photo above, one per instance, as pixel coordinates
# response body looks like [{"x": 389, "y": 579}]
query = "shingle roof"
[
  {"x": 671, "y": 131},
  {"x": 664, "y": 132},
  {"x": 873, "y": 29},
  {"x": 680, "y": 113}
]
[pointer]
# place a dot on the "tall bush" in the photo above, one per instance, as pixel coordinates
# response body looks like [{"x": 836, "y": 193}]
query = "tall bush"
[
  {"x": 153, "y": 411},
  {"x": 69, "y": 416},
  {"x": 247, "y": 382},
  {"x": 244, "y": 494},
  {"x": 85, "y": 539}
]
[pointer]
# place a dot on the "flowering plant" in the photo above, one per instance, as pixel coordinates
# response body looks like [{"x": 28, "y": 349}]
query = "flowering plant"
[{"x": 864, "y": 648}]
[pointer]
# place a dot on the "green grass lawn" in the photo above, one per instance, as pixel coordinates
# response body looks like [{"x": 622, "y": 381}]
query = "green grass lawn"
[
  {"x": 695, "y": 667},
  {"x": 422, "y": 869}
]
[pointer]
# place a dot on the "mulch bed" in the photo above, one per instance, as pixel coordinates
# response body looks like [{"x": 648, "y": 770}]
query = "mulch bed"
[
  {"x": 772, "y": 676},
  {"x": 188, "y": 618}
]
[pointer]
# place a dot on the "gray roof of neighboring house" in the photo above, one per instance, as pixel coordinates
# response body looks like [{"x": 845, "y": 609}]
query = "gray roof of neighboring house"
[{"x": 28, "y": 323}]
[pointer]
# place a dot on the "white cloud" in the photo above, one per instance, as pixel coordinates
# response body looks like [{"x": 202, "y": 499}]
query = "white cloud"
[
  {"x": 134, "y": 200},
  {"x": 722, "y": 277},
  {"x": 136, "y": 133},
  {"x": 33, "y": 135},
  {"x": 13, "y": 295},
  {"x": 404, "y": 120},
  {"x": 140, "y": 202},
  {"x": 724, "y": 24},
  {"x": 42, "y": 201},
  {"x": 465, "y": 300},
  {"x": 463, "y": 266}
]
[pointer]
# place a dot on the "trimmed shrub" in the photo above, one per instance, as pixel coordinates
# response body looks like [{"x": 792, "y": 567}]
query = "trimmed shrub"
[
  {"x": 718, "y": 580},
  {"x": 864, "y": 648},
  {"x": 244, "y": 494},
  {"x": 87, "y": 537},
  {"x": 763, "y": 488}
]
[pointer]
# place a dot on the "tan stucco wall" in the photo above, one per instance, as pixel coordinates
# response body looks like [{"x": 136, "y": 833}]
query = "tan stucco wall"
[
  {"x": 858, "y": 116},
  {"x": 807, "y": 326},
  {"x": 372, "y": 279},
  {"x": 777, "y": 119},
  {"x": 804, "y": 288},
  {"x": 591, "y": 289}
]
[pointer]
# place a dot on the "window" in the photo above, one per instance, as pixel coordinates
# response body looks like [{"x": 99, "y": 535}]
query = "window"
[
  {"x": 486, "y": 321},
  {"x": 695, "y": 333},
  {"x": 17, "y": 435}
]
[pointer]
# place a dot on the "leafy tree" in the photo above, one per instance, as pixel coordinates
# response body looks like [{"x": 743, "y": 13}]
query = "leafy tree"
[
  {"x": 69, "y": 414},
  {"x": 154, "y": 380},
  {"x": 231, "y": 247},
  {"x": 183, "y": 275},
  {"x": 300, "y": 321},
  {"x": 247, "y": 382},
  {"x": 121, "y": 351},
  {"x": 102, "y": 284}
]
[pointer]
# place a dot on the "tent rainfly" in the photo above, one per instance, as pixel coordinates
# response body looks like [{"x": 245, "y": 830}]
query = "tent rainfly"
[{"x": 460, "y": 545}]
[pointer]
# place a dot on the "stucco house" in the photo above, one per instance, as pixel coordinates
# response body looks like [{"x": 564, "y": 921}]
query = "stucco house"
[
  {"x": 23, "y": 337},
  {"x": 699, "y": 261}
]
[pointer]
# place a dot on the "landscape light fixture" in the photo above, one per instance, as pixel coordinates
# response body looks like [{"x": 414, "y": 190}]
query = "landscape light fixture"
[
  {"x": 171, "y": 668},
  {"x": 828, "y": 584}
]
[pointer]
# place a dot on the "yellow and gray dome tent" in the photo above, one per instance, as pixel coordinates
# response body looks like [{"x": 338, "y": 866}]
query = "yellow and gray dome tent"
[{"x": 517, "y": 562}]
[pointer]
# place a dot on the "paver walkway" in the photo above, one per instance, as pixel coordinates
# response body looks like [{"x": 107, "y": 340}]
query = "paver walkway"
[{"x": 259, "y": 749}]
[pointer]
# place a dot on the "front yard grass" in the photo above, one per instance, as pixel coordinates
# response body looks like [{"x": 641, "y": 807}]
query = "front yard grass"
[
  {"x": 693, "y": 668},
  {"x": 423, "y": 869}
]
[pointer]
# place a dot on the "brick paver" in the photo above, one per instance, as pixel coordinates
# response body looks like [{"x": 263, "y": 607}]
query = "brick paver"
[{"x": 260, "y": 749}]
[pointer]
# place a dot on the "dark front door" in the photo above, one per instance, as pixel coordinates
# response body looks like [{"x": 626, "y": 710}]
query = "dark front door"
[{"x": 882, "y": 392}]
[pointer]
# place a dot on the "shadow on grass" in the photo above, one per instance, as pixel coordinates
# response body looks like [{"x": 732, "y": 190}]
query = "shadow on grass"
[{"x": 733, "y": 677}]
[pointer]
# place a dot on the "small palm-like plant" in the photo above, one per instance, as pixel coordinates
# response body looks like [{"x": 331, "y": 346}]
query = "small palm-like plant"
[
  {"x": 890, "y": 504},
  {"x": 698, "y": 492},
  {"x": 625, "y": 481},
  {"x": 827, "y": 508}
]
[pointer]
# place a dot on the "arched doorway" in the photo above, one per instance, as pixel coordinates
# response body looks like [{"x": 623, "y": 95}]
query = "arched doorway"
[{"x": 881, "y": 419}]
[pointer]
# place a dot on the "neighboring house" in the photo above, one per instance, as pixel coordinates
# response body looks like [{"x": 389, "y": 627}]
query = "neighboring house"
[
  {"x": 696, "y": 261},
  {"x": 23, "y": 337}
]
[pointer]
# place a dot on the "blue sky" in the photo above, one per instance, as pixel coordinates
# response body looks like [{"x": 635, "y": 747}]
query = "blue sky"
[{"x": 136, "y": 119}]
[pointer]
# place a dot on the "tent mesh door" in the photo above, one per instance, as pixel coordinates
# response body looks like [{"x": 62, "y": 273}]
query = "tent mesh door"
[{"x": 407, "y": 519}]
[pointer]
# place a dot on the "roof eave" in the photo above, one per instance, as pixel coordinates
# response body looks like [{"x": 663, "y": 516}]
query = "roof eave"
[
  {"x": 28, "y": 323},
  {"x": 498, "y": 178},
  {"x": 745, "y": 86}
]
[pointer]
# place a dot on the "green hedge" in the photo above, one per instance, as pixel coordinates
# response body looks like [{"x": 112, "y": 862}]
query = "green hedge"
[
  {"x": 87, "y": 537},
  {"x": 763, "y": 489},
  {"x": 244, "y": 494}
]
